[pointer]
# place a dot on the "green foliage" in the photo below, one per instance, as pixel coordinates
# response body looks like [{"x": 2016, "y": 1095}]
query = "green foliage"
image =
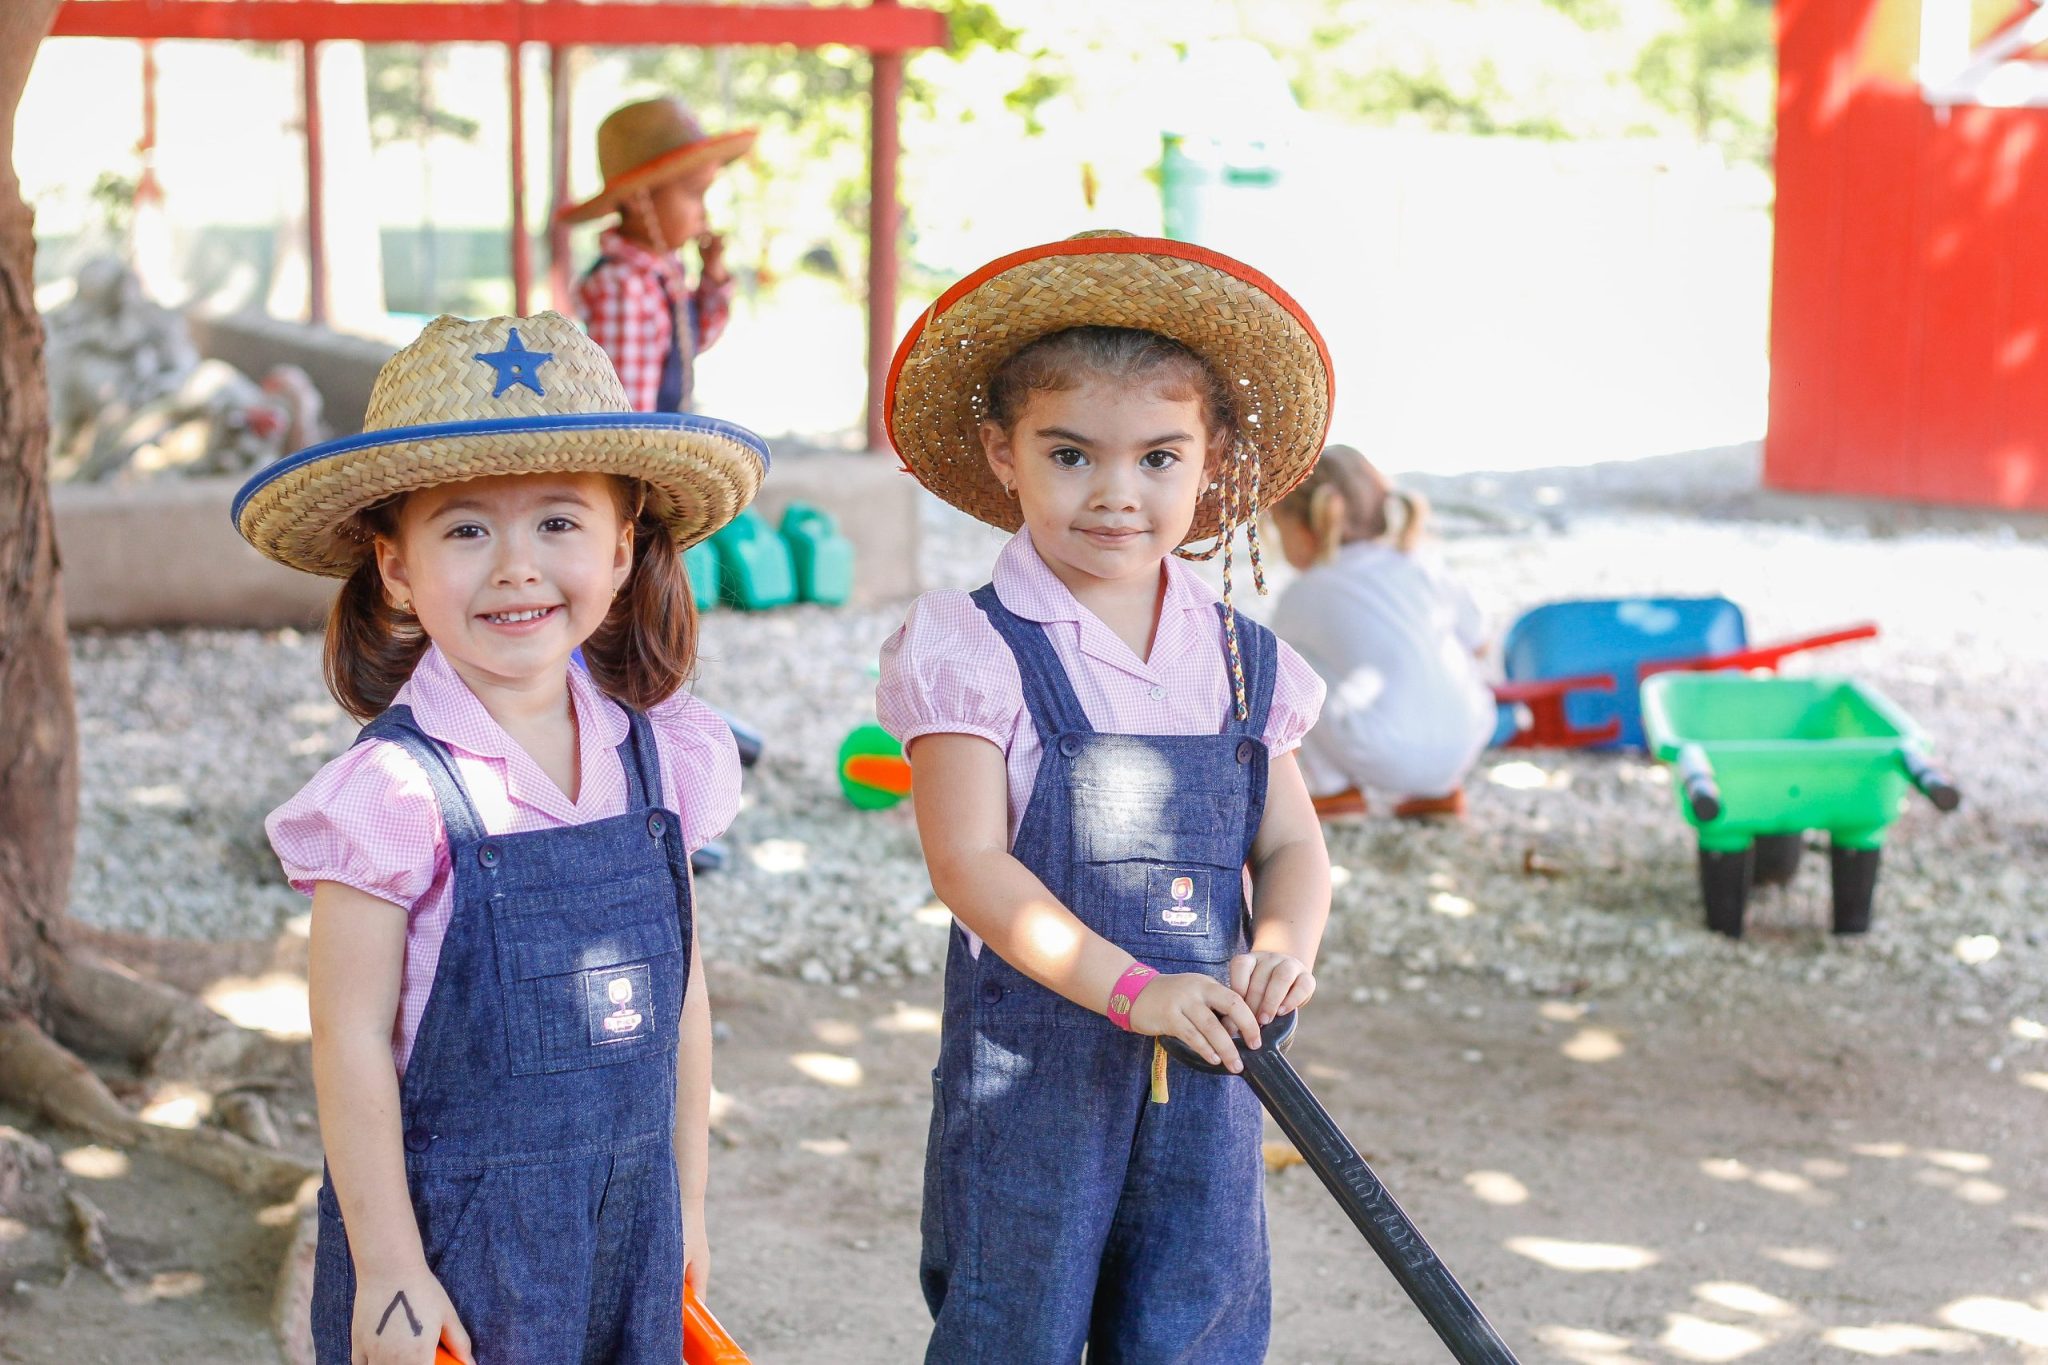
[
  {"x": 400, "y": 80},
  {"x": 113, "y": 194},
  {"x": 1709, "y": 70}
]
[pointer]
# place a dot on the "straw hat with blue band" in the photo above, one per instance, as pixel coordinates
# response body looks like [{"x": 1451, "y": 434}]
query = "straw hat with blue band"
[{"x": 471, "y": 399}]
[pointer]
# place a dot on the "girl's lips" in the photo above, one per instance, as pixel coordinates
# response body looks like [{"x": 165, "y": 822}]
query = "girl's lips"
[
  {"x": 1113, "y": 535},
  {"x": 520, "y": 627}
]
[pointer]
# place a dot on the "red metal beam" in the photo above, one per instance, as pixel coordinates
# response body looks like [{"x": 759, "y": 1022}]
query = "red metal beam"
[
  {"x": 316, "y": 192},
  {"x": 879, "y": 28},
  {"x": 884, "y": 220},
  {"x": 522, "y": 245}
]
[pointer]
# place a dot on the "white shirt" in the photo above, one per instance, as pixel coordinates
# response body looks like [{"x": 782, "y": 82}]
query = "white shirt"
[{"x": 1393, "y": 638}]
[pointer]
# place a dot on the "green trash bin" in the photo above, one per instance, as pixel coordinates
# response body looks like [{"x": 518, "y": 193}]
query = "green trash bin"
[
  {"x": 822, "y": 557},
  {"x": 1760, "y": 760},
  {"x": 1209, "y": 186},
  {"x": 700, "y": 565},
  {"x": 754, "y": 568}
]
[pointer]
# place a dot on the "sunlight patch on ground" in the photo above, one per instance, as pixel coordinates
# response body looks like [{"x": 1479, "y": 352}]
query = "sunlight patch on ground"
[
  {"x": 1593, "y": 1046},
  {"x": 275, "y": 1003},
  {"x": 1893, "y": 1339},
  {"x": 93, "y": 1162},
  {"x": 2005, "y": 1318},
  {"x": 722, "y": 1105},
  {"x": 835, "y": 1032},
  {"x": 167, "y": 797},
  {"x": 1340, "y": 876},
  {"x": 1787, "y": 1183},
  {"x": 1497, "y": 1187},
  {"x": 1744, "y": 1298},
  {"x": 1691, "y": 1338},
  {"x": 1889, "y": 1151},
  {"x": 826, "y": 1146},
  {"x": 1523, "y": 776},
  {"x": 1967, "y": 1163},
  {"x": 1974, "y": 950},
  {"x": 781, "y": 855},
  {"x": 172, "y": 1284},
  {"x": 828, "y": 1068},
  {"x": 12, "y": 1229},
  {"x": 1559, "y": 1254},
  {"x": 1584, "y": 1346},
  {"x": 935, "y": 915},
  {"x": 1456, "y": 907},
  {"x": 1802, "y": 1258},
  {"x": 909, "y": 1019},
  {"x": 2031, "y": 1030},
  {"x": 2037, "y": 1080},
  {"x": 1562, "y": 1011},
  {"x": 177, "y": 1105}
]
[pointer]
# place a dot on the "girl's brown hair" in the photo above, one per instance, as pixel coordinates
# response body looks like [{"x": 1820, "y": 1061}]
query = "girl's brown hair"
[
  {"x": 1344, "y": 499},
  {"x": 1129, "y": 355},
  {"x": 642, "y": 653}
]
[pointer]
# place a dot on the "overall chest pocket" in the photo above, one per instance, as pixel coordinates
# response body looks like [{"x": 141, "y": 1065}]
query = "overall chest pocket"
[
  {"x": 590, "y": 978},
  {"x": 1161, "y": 872}
]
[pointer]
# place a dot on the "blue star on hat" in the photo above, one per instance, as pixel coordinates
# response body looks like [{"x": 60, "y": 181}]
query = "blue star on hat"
[{"x": 516, "y": 365}]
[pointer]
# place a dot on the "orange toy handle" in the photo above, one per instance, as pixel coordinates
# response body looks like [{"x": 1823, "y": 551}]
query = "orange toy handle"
[
  {"x": 705, "y": 1341},
  {"x": 444, "y": 1356}
]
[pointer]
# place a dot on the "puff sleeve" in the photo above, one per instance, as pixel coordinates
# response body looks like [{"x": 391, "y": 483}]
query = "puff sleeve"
[
  {"x": 700, "y": 767},
  {"x": 947, "y": 671},
  {"x": 1297, "y": 701},
  {"x": 367, "y": 820}
]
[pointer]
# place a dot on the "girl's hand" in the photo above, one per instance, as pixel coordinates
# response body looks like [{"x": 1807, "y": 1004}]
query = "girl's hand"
[
  {"x": 1194, "y": 1009},
  {"x": 711, "y": 258},
  {"x": 696, "y": 1250},
  {"x": 400, "y": 1317},
  {"x": 1272, "y": 984}
]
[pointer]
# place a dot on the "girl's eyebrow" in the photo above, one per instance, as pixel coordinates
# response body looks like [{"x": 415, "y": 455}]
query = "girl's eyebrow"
[
  {"x": 569, "y": 496},
  {"x": 1063, "y": 434}
]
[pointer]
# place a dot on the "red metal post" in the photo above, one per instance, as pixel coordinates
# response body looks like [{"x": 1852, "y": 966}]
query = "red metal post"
[
  {"x": 316, "y": 193},
  {"x": 884, "y": 221},
  {"x": 559, "y": 275},
  {"x": 148, "y": 190},
  {"x": 522, "y": 245}
]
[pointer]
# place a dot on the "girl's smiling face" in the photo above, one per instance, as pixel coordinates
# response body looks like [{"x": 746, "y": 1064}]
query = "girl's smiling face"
[
  {"x": 509, "y": 574},
  {"x": 1107, "y": 475}
]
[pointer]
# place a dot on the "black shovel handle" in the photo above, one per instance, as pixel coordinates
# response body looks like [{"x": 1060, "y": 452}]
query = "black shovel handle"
[
  {"x": 1387, "y": 1227},
  {"x": 1932, "y": 781}
]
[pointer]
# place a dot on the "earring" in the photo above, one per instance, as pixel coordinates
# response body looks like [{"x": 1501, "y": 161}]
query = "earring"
[{"x": 1009, "y": 491}]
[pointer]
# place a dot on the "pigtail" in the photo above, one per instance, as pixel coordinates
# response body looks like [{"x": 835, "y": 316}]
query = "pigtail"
[
  {"x": 1414, "y": 519},
  {"x": 646, "y": 649},
  {"x": 372, "y": 647},
  {"x": 1327, "y": 519}
]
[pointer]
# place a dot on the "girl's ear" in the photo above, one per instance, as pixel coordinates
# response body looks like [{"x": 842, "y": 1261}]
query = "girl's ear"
[
  {"x": 995, "y": 446},
  {"x": 391, "y": 567},
  {"x": 622, "y": 556}
]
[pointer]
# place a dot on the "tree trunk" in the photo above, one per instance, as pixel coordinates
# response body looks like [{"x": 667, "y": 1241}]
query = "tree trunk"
[{"x": 38, "y": 726}]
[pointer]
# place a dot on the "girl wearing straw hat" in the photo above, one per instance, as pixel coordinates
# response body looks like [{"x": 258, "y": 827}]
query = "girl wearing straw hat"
[
  {"x": 511, "y": 1044},
  {"x": 1101, "y": 749},
  {"x": 637, "y": 300}
]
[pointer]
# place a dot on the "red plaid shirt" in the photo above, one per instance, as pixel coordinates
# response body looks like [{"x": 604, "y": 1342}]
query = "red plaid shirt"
[{"x": 623, "y": 308}]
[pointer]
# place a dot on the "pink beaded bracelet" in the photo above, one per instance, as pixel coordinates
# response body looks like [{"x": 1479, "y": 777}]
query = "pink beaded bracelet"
[{"x": 1126, "y": 991}]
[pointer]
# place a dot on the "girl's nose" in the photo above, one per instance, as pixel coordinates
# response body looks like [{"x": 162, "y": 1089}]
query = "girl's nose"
[
  {"x": 515, "y": 560},
  {"x": 1115, "y": 490}
]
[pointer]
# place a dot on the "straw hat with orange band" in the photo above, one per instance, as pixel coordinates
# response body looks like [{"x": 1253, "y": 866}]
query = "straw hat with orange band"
[
  {"x": 646, "y": 144},
  {"x": 1256, "y": 338}
]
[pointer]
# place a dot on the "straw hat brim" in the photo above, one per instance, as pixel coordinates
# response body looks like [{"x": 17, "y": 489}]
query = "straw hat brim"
[
  {"x": 300, "y": 511},
  {"x": 722, "y": 149},
  {"x": 1256, "y": 337}
]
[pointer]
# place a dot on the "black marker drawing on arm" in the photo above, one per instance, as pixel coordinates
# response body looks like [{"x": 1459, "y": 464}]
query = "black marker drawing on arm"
[{"x": 398, "y": 1301}]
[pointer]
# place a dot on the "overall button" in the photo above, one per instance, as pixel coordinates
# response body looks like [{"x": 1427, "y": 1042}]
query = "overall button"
[
  {"x": 1245, "y": 751},
  {"x": 418, "y": 1139},
  {"x": 655, "y": 824},
  {"x": 991, "y": 992},
  {"x": 487, "y": 854},
  {"x": 1070, "y": 745}
]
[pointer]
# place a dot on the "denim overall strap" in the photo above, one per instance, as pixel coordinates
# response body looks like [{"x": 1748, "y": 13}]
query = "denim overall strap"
[
  {"x": 537, "y": 1109},
  {"x": 675, "y": 386},
  {"x": 1048, "y": 694}
]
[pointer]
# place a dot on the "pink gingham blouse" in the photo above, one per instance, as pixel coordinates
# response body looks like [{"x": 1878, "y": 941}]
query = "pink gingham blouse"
[
  {"x": 369, "y": 820},
  {"x": 948, "y": 671}
]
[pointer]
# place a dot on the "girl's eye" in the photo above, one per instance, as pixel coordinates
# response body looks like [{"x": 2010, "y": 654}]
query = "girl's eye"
[
  {"x": 1066, "y": 457},
  {"x": 1160, "y": 459},
  {"x": 466, "y": 530},
  {"x": 558, "y": 524}
]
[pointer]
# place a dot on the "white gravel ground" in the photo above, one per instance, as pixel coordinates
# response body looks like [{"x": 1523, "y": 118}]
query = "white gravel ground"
[{"x": 189, "y": 737}]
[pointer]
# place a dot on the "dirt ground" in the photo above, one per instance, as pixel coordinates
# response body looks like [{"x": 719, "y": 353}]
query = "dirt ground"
[{"x": 1799, "y": 1178}]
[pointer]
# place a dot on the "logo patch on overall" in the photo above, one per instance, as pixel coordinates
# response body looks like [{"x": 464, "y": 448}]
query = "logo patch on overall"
[
  {"x": 1176, "y": 902},
  {"x": 620, "y": 1003}
]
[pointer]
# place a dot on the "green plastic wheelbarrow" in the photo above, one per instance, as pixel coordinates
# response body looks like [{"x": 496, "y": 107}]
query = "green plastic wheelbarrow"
[{"x": 1760, "y": 760}]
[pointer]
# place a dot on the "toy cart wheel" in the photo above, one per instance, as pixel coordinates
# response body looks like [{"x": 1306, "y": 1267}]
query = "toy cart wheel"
[
  {"x": 1777, "y": 858},
  {"x": 1855, "y": 885},
  {"x": 1724, "y": 886}
]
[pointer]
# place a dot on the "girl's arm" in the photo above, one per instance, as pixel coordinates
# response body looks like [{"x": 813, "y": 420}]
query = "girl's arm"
[
  {"x": 693, "y": 1120},
  {"x": 356, "y": 959},
  {"x": 1290, "y": 898},
  {"x": 962, "y": 802}
]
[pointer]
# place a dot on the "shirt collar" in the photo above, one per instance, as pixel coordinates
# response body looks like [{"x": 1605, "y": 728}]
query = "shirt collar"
[
  {"x": 444, "y": 707},
  {"x": 1032, "y": 590},
  {"x": 617, "y": 246}
]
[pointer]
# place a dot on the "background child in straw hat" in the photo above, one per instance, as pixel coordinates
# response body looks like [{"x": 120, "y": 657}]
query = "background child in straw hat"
[
  {"x": 511, "y": 1044},
  {"x": 637, "y": 300},
  {"x": 1393, "y": 637},
  {"x": 1101, "y": 750}
]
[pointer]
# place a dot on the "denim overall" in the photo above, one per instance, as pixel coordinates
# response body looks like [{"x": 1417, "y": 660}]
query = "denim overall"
[
  {"x": 673, "y": 394},
  {"x": 539, "y": 1102},
  {"x": 1061, "y": 1208}
]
